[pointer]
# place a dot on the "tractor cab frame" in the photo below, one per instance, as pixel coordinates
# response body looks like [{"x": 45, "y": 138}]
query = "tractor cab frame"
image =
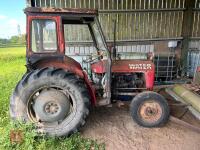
[{"x": 41, "y": 54}]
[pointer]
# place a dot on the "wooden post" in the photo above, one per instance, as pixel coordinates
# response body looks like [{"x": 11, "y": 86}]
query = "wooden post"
[{"x": 186, "y": 32}]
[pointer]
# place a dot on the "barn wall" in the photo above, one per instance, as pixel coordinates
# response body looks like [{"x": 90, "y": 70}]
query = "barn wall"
[{"x": 136, "y": 19}]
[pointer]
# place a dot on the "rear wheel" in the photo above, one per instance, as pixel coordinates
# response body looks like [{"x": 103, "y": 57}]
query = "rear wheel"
[
  {"x": 55, "y": 100},
  {"x": 149, "y": 109}
]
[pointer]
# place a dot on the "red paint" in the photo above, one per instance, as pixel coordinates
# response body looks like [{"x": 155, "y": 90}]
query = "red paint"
[
  {"x": 124, "y": 66},
  {"x": 60, "y": 38},
  {"x": 149, "y": 78},
  {"x": 68, "y": 64},
  {"x": 99, "y": 67}
]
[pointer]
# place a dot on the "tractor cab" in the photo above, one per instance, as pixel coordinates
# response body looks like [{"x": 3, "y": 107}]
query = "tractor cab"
[{"x": 47, "y": 42}]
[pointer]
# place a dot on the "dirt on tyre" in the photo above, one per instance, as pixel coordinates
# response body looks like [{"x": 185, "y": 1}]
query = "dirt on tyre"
[
  {"x": 55, "y": 100},
  {"x": 149, "y": 109}
]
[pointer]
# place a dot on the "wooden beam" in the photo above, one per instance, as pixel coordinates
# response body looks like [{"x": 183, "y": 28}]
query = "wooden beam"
[
  {"x": 186, "y": 32},
  {"x": 185, "y": 124}
]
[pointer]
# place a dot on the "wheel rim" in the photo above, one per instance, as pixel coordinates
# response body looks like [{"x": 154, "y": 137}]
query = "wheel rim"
[
  {"x": 150, "y": 111},
  {"x": 51, "y": 108}
]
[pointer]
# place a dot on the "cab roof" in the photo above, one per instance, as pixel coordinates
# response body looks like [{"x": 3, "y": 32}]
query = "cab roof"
[{"x": 61, "y": 11}]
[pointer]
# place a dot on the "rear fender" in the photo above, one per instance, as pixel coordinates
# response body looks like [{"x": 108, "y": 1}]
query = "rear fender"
[{"x": 70, "y": 65}]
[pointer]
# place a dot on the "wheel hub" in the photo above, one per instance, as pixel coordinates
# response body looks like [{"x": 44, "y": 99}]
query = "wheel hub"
[
  {"x": 51, "y": 105},
  {"x": 150, "y": 111},
  {"x": 52, "y": 108}
]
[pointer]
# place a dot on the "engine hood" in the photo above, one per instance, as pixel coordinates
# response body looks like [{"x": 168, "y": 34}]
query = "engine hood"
[{"x": 124, "y": 66}]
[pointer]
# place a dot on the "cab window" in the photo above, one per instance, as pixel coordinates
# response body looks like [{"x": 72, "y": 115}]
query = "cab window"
[{"x": 43, "y": 37}]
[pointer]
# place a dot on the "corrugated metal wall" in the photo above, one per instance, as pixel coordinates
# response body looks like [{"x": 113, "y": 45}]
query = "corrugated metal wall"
[
  {"x": 136, "y": 19},
  {"x": 196, "y": 20}
]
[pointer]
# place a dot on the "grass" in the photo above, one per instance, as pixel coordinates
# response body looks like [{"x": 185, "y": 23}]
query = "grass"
[{"x": 12, "y": 67}]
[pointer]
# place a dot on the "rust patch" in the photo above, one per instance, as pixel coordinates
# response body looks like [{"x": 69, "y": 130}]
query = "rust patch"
[
  {"x": 16, "y": 136},
  {"x": 62, "y": 10},
  {"x": 150, "y": 111}
]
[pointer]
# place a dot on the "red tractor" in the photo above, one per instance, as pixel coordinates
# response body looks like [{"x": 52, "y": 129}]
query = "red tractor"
[{"x": 56, "y": 93}]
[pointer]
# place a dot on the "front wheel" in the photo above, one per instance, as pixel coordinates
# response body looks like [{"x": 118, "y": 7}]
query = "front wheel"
[
  {"x": 149, "y": 109},
  {"x": 55, "y": 100}
]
